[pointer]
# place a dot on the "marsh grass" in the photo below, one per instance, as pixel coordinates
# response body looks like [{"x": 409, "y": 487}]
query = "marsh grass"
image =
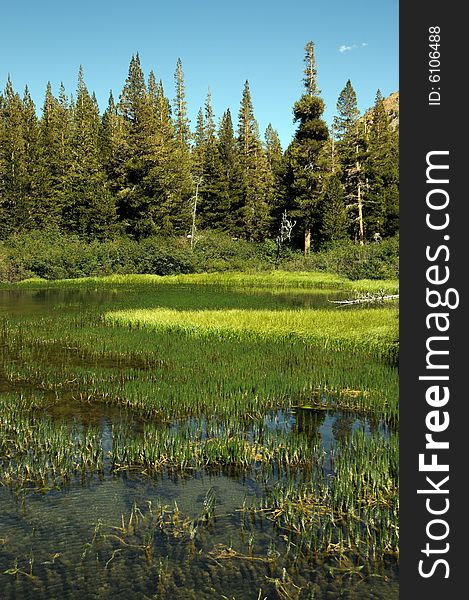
[
  {"x": 269, "y": 279},
  {"x": 368, "y": 330},
  {"x": 42, "y": 454},
  {"x": 224, "y": 375},
  {"x": 187, "y": 375},
  {"x": 236, "y": 354}
]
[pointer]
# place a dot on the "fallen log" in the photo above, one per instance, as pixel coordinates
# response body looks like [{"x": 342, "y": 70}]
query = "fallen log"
[{"x": 366, "y": 299}]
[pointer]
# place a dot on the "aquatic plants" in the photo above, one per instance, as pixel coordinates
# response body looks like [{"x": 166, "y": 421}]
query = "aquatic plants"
[
  {"x": 300, "y": 413},
  {"x": 366, "y": 330}
]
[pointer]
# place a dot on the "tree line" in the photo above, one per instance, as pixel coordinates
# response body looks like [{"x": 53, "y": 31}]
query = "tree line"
[{"x": 139, "y": 169}]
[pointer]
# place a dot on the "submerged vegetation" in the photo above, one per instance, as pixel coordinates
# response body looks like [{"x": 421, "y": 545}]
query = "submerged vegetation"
[{"x": 242, "y": 429}]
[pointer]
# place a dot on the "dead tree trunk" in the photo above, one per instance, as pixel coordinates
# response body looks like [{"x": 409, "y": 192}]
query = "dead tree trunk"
[{"x": 307, "y": 241}]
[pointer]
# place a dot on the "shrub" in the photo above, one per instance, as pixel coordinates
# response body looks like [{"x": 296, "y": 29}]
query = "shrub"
[
  {"x": 217, "y": 251},
  {"x": 9, "y": 271},
  {"x": 163, "y": 256},
  {"x": 376, "y": 260},
  {"x": 54, "y": 255}
]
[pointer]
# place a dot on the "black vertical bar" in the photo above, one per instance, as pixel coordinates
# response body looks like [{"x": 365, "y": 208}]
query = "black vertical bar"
[{"x": 433, "y": 119}]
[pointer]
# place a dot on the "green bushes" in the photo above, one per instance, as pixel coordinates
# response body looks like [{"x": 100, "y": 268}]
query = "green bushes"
[
  {"x": 218, "y": 251},
  {"x": 156, "y": 255},
  {"x": 55, "y": 255},
  {"x": 376, "y": 260},
  {"x": 9, "y": 271},
  {"x": 51, "y": 255}
]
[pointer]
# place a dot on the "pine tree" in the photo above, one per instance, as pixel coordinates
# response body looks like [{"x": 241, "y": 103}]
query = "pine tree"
[
  {"x": 304, "y": 176},
  {"x": 310, "y": 78},
  {"x": 229, "y": 182},
  {"x": 169, "y": 181},
  {"x": 348, "y": 113},
  {"x": 133, "y": 103},
  {"x": 198, "y": 152},
  {"x": 273, "y": 147},
  {"x": 163, "y": 111},
  {"x": 135, "y": 201},
  {"x": 162, "y": 129},
  {"x": 89, "y": 208},
  {"x": 15, "y": 203},
  {"x": 253, "y": 216},
  {"x": 210, "y": 128},
  {"x": 212, "y": 210},
  {"x": 181, "y": 120},
  {"x": 49, "y": 208},
  {"x": 275, "y": 162},
  {"x": 64, "y": 119},
  {"x": 353, "y": 164},
  {"x": 31, "y": 153},
  {"x": 335, "y": 220},
  {"x": 382, "y": 174},
  {"x": 113, "y": 144},
  {"x": 352, "y": 152}
]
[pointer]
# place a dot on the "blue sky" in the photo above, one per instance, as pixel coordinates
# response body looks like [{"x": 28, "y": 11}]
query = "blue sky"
[{"x": 221, "y": 44}]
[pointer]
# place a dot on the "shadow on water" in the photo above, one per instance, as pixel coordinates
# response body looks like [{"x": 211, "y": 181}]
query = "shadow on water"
[{"x": 30, "y": 302}]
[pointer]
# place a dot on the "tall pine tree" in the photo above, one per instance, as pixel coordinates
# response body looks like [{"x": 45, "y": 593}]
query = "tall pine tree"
[
  {"x": 54, "y": 133},
  {"x": 181, "y": 120},
  {"x": 31, "y": 151},
  {"x": 275, "y": 162},
  {"x": 382, "y": 173},
  {"x": 352, "y": 151},
  {"x": 348, "y": 113},
  {"x": 229, "y": 182},
  {"x": 15, "y": 201},
  {"x": 213, "y": 208},
  {"x": 198, "y": 151},
  {"x": 304, "y": 175},
  {"x": 135, "y": 200},
  {"x": 253, "y": 215},
  {"x": 169, "y": 181},
  {"x": 89, "y": 208}
]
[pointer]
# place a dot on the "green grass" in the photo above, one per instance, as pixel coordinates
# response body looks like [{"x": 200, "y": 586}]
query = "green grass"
[
  {"x": 331, "y": 329},
  {"x": 204, "y": 350},
  {"x": 274, "y": 279}
]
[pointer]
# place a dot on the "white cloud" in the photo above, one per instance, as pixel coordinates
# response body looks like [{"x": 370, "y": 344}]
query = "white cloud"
[{"x": 345, "y": 48}]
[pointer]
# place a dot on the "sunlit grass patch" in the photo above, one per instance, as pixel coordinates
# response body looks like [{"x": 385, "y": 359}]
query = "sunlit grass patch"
[{"x": 370, "y": 329}]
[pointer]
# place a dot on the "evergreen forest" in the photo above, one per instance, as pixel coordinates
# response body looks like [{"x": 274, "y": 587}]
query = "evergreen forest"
[{"x": 141, "y": 169}]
